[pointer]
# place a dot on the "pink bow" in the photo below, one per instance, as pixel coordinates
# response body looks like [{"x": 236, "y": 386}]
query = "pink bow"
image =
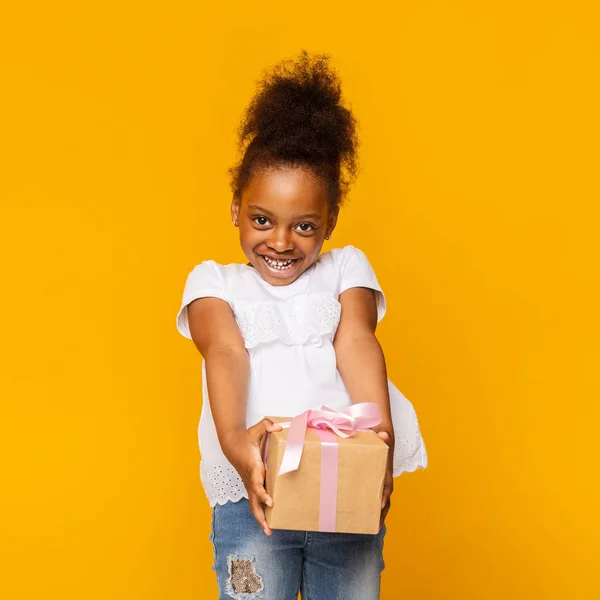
[{"x": 344, "y": 423}]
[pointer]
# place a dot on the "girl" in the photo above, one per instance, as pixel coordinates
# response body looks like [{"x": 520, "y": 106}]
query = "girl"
[{"x": 290, "y": 330}]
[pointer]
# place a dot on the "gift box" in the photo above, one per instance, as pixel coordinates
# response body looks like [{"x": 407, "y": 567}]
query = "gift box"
[{"x": 325, "y": 471}]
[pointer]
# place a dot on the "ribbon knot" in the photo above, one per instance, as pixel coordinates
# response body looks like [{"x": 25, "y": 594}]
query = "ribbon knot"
[{"x": 344, "y": 423}]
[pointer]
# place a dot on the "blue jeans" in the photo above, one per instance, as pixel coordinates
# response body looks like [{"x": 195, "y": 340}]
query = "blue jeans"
[{"x": 321, "y": 566}]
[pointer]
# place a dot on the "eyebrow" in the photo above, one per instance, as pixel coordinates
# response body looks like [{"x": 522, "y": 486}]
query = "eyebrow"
[{"x": 268, "y": 212}]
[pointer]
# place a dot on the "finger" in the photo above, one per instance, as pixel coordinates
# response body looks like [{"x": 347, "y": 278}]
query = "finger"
[
  {"x": 257, "y": 484},
  {"x": 262, "y": 495},
  {"x": 388, "y": 488},
  {"x": 272, "y": 426},
  {"x": 385, "y": 436},
  {"x": 384, "y": 514},
  {"x": 259, "y": 513},
  {"x": 268, "y": 425},
  {"x": 385, "y": 497},
  {"x": 264, "y": 426}
]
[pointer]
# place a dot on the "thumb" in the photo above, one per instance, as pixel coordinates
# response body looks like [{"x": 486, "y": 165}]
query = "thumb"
[
  {"x": 264, "y": 426},
  {"x": 385, "y": 436}
]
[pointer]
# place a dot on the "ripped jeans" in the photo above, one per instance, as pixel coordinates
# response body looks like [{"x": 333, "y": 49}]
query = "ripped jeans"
[{"x": 321, "y": 566}]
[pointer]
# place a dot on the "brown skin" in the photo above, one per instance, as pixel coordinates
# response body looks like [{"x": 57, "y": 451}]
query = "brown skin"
[
  {"x": 361, "y": 364},
  {"x": 284, "y": 214}
]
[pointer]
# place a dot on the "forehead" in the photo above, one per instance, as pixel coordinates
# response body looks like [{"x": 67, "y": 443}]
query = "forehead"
[{"x": 287, "y": 191}]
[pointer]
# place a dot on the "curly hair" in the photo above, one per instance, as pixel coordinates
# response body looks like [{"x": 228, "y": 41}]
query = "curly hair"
[{"x": 298, "y": 118}]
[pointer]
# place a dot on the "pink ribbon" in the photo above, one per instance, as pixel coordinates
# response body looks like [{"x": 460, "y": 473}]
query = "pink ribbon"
[{"x": 327, "y": 424}]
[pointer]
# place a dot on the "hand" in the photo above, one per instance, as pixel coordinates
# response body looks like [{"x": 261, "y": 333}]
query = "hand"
[
  {"x": 242, "y": 450},
  {"x": 388, "y": 484}
]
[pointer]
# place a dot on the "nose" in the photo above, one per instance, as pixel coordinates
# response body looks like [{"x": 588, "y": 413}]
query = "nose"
[{"x": 281, "y": 240}]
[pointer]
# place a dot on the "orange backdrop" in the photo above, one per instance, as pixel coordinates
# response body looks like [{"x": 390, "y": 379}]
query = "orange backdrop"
[{"x": 477, "y": 205}]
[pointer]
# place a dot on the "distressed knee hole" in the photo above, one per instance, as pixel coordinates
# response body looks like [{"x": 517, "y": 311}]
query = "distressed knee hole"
[{"x": 243, "y": 578}]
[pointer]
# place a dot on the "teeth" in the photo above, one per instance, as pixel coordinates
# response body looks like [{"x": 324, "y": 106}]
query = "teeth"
[{"x": 279, "y": 264}]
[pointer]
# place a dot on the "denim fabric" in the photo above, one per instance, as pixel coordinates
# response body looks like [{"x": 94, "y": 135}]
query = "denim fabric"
[{"x": 322, "y": 566}]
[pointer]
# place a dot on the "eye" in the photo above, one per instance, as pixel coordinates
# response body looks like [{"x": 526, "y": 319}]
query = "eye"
[
  {"x": 306, "y": 227},
  {"x": 261, "y": 221}
]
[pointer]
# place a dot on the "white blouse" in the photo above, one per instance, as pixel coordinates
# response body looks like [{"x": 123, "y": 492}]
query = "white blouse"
[{"x": 288, "y": 332}]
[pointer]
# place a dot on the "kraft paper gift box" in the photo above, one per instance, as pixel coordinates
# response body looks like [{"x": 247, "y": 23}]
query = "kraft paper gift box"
[{"x": 338, "y": 483}]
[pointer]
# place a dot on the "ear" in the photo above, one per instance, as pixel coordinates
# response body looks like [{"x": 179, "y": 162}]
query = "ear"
[
  {"x": 332, "y": 219},
  {"x": 235, "y": 211}
]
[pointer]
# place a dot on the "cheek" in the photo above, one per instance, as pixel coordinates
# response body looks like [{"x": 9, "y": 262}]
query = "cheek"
[
  {"x": 247, "y": 236},
  {"x": 311, "y": 247},
  {"x": 250, "y": 238}
]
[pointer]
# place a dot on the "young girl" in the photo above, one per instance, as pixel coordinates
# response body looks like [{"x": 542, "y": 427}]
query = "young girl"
[{"x": 290, "y": 330}]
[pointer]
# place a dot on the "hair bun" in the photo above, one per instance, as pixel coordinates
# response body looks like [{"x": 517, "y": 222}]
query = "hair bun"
[{"x": 298, "y": 116}]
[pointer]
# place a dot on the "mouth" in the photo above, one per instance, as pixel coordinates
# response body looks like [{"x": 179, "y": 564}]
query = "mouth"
[{"x": 280, "y": 266}]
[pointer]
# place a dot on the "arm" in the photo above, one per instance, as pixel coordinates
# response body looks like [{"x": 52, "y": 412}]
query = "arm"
[
  {"x": 217, "y": 337},
  {"x": 361, "y": 364},
  {"x": 359, "y": 356}
]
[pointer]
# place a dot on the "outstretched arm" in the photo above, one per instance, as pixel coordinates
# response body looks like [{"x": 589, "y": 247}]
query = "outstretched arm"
[
  {"x": 217, "y": 336},
  {"x": 361, "y": 364}
]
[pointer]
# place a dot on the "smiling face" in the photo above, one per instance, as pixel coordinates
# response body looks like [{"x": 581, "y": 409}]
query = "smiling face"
[{"x": 284, "y": 216}]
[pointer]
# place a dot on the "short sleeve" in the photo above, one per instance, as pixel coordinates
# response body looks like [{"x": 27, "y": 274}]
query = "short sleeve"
[
  {"x": 203, "y": 281},
  {"x": 356, "y": 271}
]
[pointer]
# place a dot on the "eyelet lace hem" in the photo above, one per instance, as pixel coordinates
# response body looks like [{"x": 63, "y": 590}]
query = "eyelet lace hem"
[
  {"x": 409, "y": 455},
  {"x": 222, "y": 483}
]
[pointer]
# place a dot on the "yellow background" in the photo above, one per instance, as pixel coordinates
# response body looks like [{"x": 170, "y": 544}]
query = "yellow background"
[{"x": 477, "y": 205}]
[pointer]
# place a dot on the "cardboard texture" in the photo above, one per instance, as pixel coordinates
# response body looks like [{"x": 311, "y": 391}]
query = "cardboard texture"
[{"x": 362, "y": 461}]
